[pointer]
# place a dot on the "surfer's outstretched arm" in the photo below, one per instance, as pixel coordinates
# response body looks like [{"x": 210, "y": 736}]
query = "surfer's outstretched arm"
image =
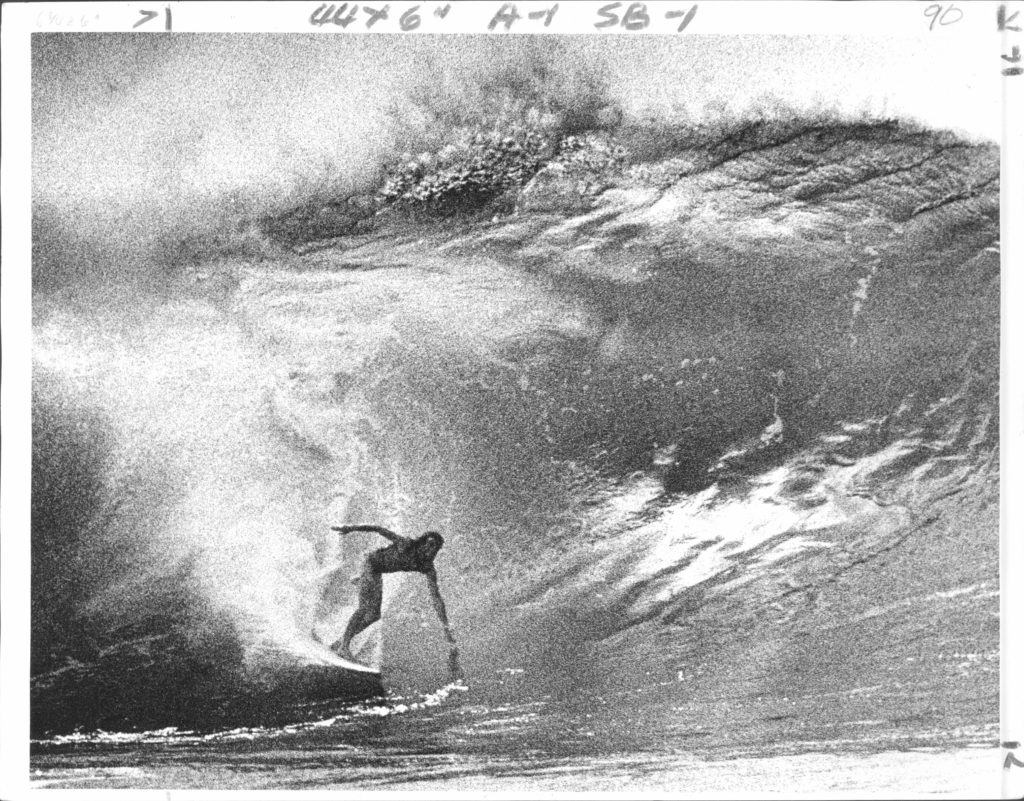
[
  {"x": 387, "y": 533},
  {"x": 442, "y": 614}
]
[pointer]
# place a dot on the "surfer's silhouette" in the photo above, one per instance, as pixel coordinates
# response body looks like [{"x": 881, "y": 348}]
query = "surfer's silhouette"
[{"x": 403, "y": 555}]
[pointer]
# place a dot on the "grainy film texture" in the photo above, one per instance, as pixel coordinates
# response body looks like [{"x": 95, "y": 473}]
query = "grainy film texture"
[{"x": 688, "y": 347}]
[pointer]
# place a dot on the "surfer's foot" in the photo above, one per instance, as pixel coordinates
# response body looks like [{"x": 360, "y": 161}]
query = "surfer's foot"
[{"x": 343, "y": 652}]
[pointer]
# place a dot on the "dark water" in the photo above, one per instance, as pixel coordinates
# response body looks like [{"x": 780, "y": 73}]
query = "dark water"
[{"x": 448, "y": 740}]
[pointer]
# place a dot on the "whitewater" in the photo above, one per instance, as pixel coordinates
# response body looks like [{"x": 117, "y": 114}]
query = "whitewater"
[{"x": 707, "y": 413}]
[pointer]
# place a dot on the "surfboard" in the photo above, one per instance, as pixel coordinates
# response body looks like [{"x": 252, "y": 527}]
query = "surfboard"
[
  {"x": 356, "y": 666},
  {"x": 315, "y": 652}
]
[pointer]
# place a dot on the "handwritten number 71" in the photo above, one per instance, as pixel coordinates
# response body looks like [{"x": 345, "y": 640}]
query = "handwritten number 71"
[{"x": 941, "y": 14}]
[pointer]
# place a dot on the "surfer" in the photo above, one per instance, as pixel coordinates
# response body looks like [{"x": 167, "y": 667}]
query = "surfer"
[{"x": 403, "y": 555}]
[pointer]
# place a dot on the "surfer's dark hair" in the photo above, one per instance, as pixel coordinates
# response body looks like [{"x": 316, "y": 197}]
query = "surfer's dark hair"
[{"x": 430, "y": 536}]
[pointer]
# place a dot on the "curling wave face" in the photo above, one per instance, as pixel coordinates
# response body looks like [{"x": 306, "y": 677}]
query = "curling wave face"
[{"x": 714, "y": 429}]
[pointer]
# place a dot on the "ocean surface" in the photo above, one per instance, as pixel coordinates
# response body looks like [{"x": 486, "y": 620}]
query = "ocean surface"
[{"x": 445, "y": 742}]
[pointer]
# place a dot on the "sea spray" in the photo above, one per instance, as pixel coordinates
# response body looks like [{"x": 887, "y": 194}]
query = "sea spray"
[{"x": 246, "y": 511}]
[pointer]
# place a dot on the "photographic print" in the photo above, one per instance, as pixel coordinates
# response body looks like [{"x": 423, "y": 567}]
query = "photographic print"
[{"x": 515, "y": 397}]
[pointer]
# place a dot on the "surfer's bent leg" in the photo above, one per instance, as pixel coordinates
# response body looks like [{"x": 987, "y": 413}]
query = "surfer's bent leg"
[{"x": 371, "y": 592}]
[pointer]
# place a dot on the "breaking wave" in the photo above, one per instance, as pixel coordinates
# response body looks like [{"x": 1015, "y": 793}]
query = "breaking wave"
[{"x": 676, "y": 396}]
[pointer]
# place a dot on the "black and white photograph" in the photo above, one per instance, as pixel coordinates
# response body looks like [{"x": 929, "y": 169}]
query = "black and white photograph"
[{"x": 536, "y": 399}]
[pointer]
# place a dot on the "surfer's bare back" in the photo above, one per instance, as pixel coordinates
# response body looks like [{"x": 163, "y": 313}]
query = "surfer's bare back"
[{"x": 403, "y": 555}]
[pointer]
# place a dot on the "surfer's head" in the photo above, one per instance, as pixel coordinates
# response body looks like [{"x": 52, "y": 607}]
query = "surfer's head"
[{"x": 428, "y": 545}]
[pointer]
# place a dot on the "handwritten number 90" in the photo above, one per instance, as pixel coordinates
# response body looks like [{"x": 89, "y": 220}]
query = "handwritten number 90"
[{"x": 940, "y": 14}]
